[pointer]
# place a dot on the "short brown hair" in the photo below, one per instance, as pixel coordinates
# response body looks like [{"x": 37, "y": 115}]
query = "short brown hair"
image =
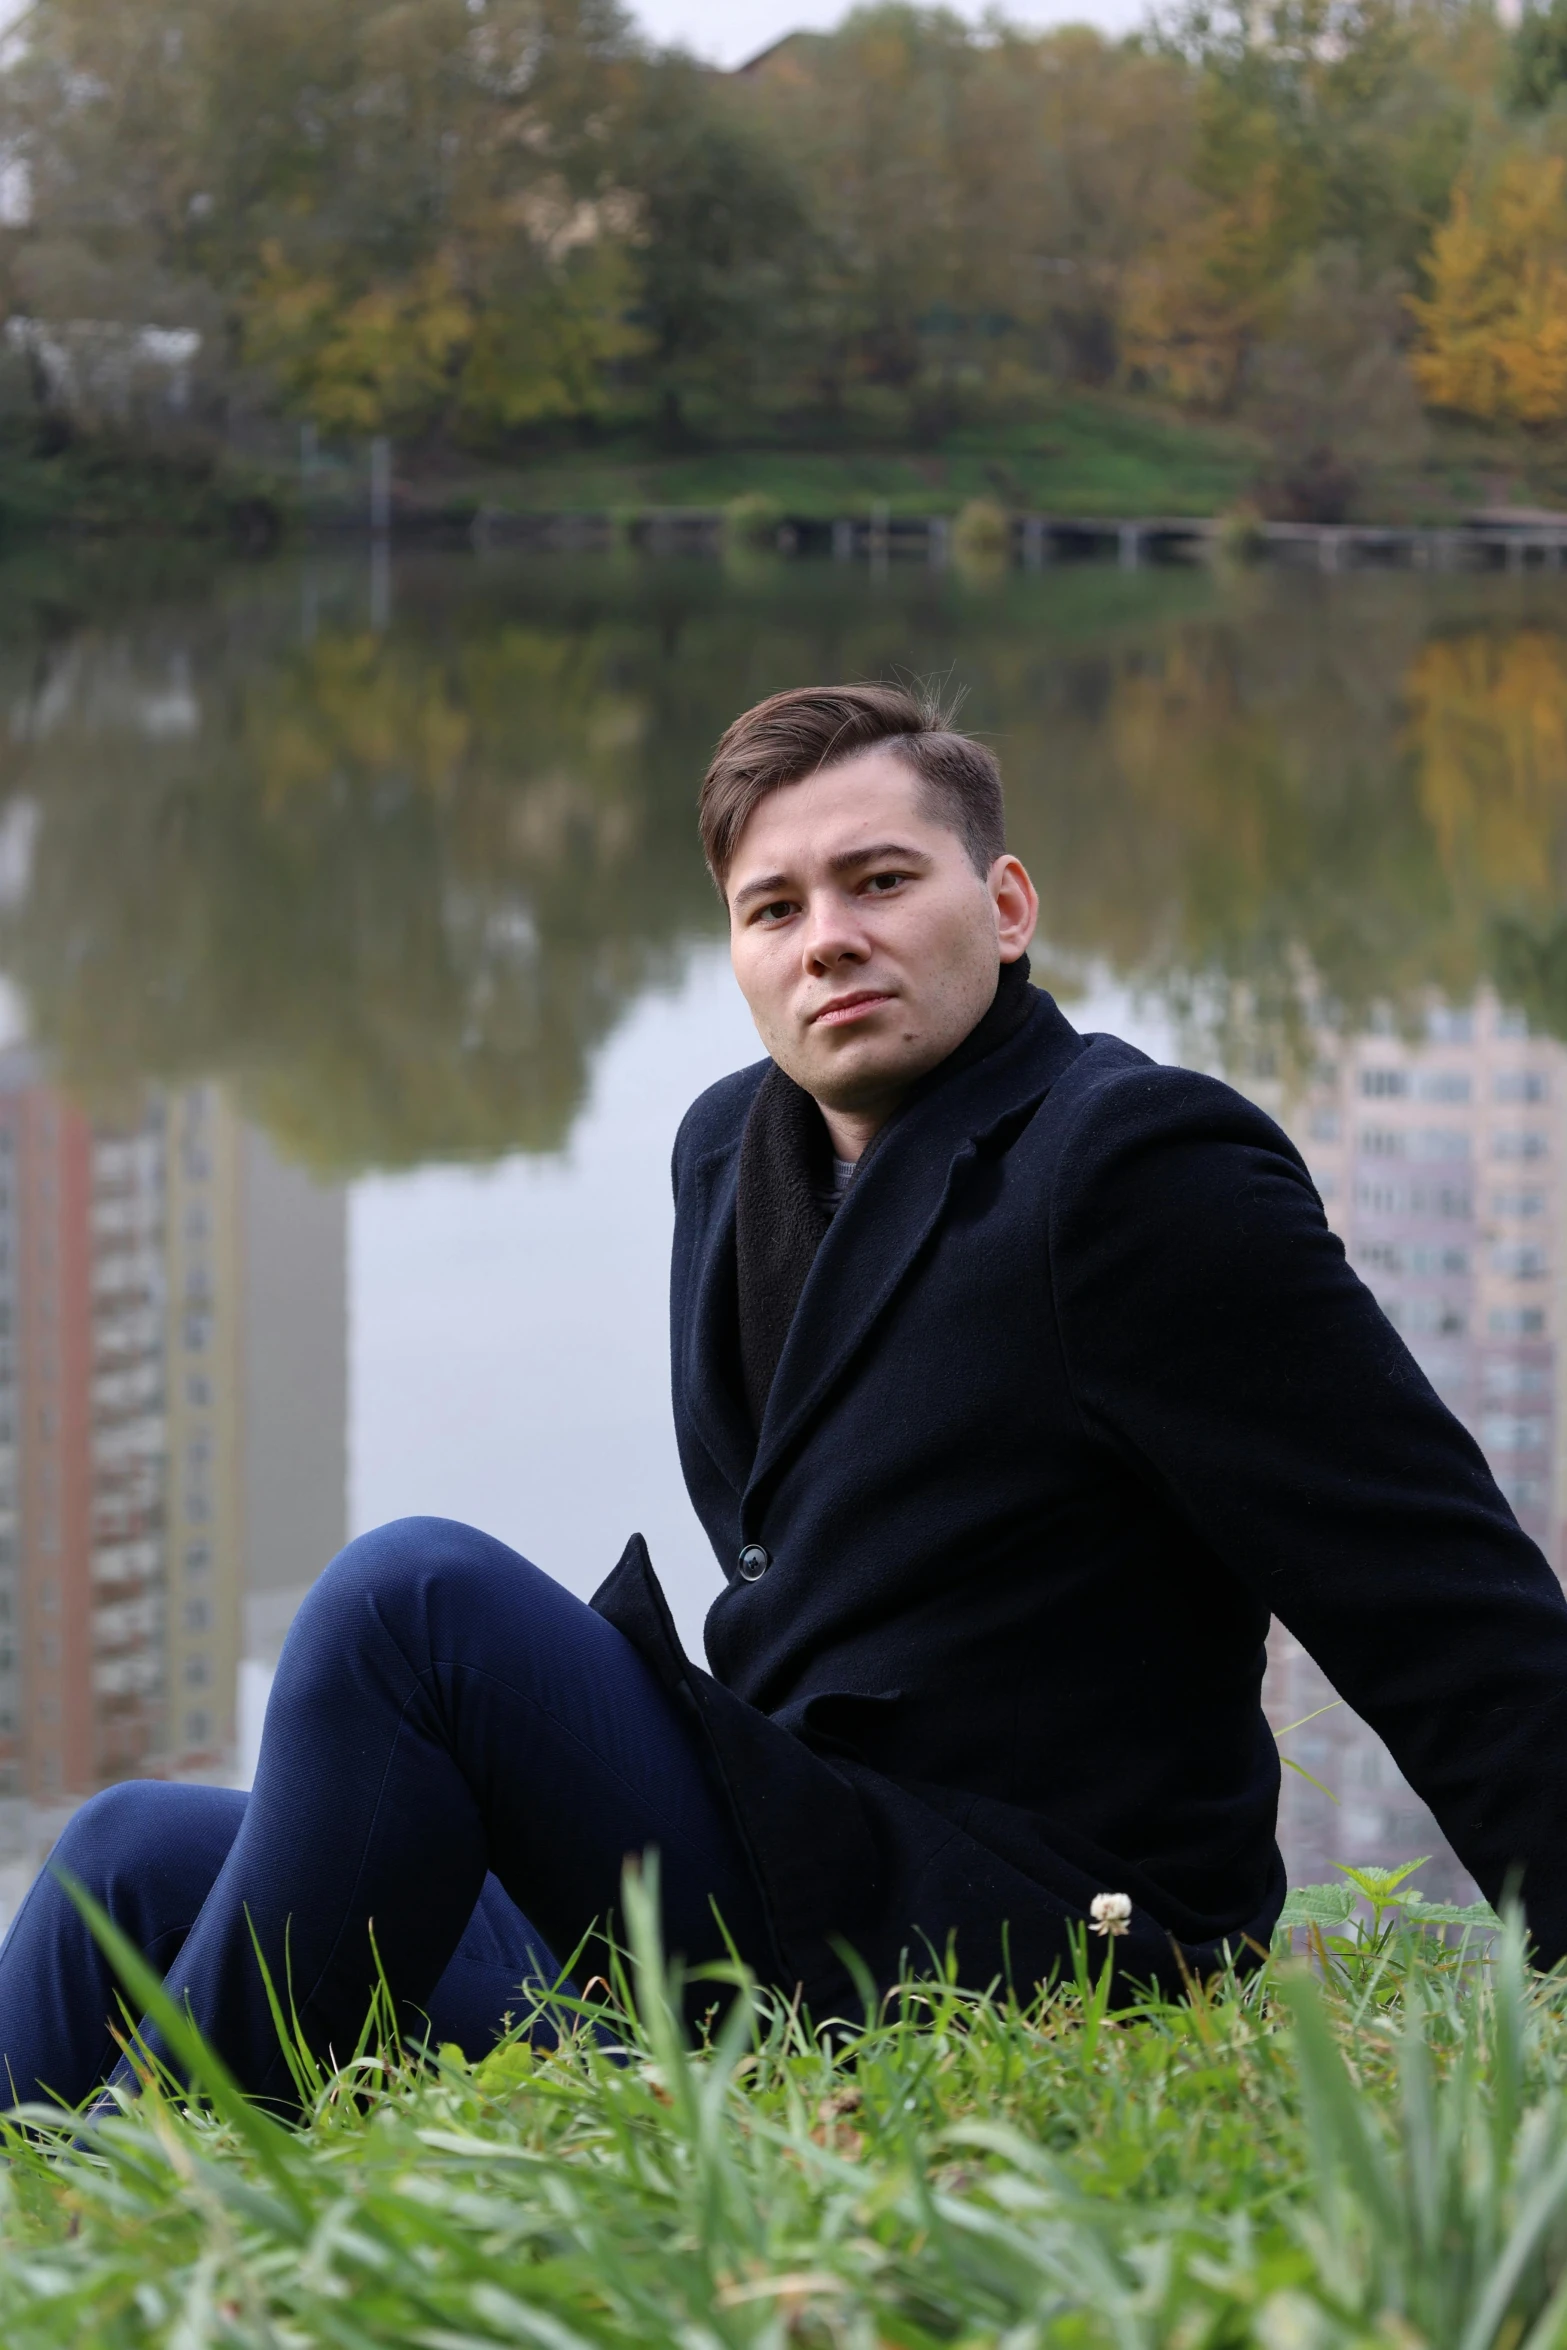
[{"x": 793, "y": 735}]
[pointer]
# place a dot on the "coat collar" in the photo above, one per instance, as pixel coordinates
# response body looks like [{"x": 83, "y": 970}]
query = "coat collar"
[
  {"x": 891, "y": 1208},
  {"x": 709, "y": 1319}
]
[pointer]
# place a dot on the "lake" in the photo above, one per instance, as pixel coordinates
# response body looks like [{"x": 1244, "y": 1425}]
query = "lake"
[{"x": 358, "y": 961}]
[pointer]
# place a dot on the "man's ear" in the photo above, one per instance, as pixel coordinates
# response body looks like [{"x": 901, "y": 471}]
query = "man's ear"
[{"x": 1017, "y": 906}]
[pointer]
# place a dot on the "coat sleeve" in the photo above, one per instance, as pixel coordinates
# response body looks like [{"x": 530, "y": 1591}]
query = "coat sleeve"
[{"x": 1217, "y": 1340}]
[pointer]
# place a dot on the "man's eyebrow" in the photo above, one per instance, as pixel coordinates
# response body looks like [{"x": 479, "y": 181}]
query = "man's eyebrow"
[
  {"x": 893, "y": 851},
  {"x": 770, "y": 885}
]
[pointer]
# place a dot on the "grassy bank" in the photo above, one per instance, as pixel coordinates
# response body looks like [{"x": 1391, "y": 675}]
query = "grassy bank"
[
  {"x": 1367, "y": 2144},
  {"x": 1092, "y": 455},
  {"x": 1088, "y": 456}
]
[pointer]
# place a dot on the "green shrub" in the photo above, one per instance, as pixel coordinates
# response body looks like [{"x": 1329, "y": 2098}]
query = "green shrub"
[
  {"x": 982, "y": 531},
  {"x": 752, "y": 520}
]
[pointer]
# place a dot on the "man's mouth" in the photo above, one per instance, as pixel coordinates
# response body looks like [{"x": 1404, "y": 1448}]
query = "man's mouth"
[{"x": 846, "y": 1008}]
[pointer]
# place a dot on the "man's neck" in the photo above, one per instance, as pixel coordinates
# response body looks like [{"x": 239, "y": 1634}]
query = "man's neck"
[{"x": 852, "y": 1132}]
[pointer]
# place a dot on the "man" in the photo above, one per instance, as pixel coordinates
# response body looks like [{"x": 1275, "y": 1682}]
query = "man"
[{"x": 1017, "y": 1380}]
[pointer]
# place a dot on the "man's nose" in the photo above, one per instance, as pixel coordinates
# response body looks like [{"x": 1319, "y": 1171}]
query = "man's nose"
[{"x": 832, "y": 935}]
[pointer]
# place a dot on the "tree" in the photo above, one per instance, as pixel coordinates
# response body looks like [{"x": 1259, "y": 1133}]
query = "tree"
[
  {"x": 1320, "y": 123},
  {"x": 1331, "y": 389},
  {"x": 1493, "y": 325},
  {"x": 405, "y": 212},
  {"x": 1539, "y": 57},
  {"x": 723, "y": 244}
]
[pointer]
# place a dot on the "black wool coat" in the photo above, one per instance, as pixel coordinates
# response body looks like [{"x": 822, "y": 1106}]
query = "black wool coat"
[{"x": 1080, "y": 1390}]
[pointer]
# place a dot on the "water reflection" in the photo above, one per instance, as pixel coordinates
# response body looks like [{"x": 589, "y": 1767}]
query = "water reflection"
[
  {"x": 1439, "y": 1157},
  {"x": 172, "y": 1398},
  {"x": 287, "y": 881}
]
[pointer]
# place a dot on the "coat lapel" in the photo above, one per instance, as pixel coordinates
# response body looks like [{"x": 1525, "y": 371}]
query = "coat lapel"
[
  {"x": 892, "y": 1207},
  {"x": 710, "y": 1328}
]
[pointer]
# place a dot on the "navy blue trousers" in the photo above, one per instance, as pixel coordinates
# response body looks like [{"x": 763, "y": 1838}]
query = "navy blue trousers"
[{"x": 456, "y": 1753}]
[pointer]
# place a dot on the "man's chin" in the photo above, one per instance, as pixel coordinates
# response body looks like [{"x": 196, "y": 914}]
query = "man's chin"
[{"x": 861, "y": 1078}]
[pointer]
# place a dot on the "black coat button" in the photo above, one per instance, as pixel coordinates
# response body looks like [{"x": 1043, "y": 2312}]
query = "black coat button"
[{"x": 754, "y": 1562}]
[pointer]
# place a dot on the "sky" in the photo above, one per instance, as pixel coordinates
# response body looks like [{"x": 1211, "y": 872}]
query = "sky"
[{"x": 727, "y": 32}]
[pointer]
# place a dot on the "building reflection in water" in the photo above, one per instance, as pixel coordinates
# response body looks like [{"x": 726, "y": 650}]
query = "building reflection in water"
[
  {"x": 1438, "y": 1158},
  {"x": 173, "y": 1385}
]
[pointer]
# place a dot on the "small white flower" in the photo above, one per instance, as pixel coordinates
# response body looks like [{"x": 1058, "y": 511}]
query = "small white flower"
[{"x": 1111, "y": 1913}]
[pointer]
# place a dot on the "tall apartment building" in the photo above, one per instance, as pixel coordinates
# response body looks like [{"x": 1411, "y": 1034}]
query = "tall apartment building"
[
  {"x": 172, "y": 1428},
  {"x": 1440, "y": 1159}
]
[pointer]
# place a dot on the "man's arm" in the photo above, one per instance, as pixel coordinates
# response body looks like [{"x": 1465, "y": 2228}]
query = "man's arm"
[{"x": 1217, "y": 1339}]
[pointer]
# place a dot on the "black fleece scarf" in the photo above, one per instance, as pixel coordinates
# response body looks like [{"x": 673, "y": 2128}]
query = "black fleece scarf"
[{"x": 786, "y": 1180}]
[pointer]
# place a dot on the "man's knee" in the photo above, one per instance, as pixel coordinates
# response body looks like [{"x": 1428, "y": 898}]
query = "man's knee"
[
  {"x": 114, "y": 1836},
  {"x": 399, "y": 1577}
]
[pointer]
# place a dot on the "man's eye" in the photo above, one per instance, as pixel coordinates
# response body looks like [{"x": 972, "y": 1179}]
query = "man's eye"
[
  {"x": 778, "y": 911},
  {"x": 881, "y": 883}
]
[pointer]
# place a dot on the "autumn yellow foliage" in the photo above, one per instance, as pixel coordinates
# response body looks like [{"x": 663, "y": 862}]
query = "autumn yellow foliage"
[
  {"x": 405, "y": 352},
  {"x": 1194, "y": 305},
  {"x": 1488, "y": 730},
  {"x": 1493, "y": 329}
]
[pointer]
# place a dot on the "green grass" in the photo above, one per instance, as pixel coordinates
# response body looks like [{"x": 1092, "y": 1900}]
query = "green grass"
[
  {"x": 1091, "y": 454},
  {"x": 1364, "y": 2144},
  {"x": 1087, "y": 455}
]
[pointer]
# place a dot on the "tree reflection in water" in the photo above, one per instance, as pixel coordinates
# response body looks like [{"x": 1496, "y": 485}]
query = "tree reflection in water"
[{"x": 398, "y": 886}]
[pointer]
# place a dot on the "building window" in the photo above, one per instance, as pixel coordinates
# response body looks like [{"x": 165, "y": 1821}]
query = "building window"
[
  {"x": 198, "y": 1726},
  {"x": 1516, "y": 1322},
  {"x": 1384, "y": 1084},
  {"x": 198, "y": 1670},
  {"x": 1518, "y": 1085},
  {"x": 1518, "y": 1260},
  {"x": 1442, "y": 1085},
  {"x": 198, "y": 1615},
  {"x": 1441, "y": 1142},
  {"x": 1519, "y": 1146},
  {"x": 1508, "y": 1432},
  {"x": 198, "y": 1558}
]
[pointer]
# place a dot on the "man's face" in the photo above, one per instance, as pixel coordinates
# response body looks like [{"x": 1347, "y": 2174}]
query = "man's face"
[{"x": 865, "y": 943}]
